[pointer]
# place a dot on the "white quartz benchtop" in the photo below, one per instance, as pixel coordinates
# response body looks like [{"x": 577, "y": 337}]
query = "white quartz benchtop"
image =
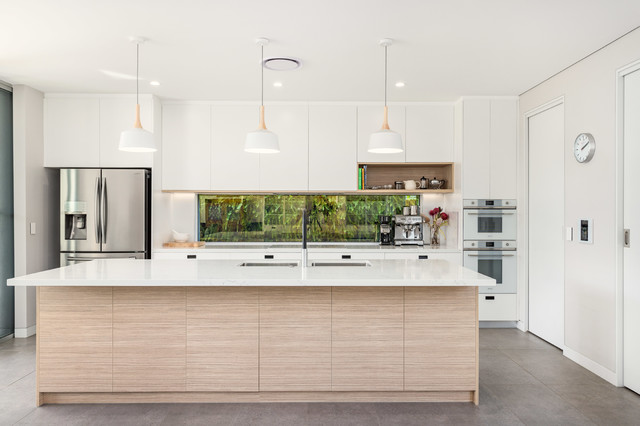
[
  {"x": 313, "y": 247},
  {"x": 130, "y": 272}
]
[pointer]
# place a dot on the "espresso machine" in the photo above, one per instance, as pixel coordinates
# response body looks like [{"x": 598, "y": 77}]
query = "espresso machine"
[
  {"x": 408, "y": 227},
  {"x": 386, "y": 230}
]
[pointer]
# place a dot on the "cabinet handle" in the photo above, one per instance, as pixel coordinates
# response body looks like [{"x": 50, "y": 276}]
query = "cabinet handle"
[
  {"x": 489, "y": 298},
  {"x": 346, "y": 256},
  {"x": 423, "y": 256},
  {"x": 191, "y": 256},
  {"x": 268, "y": 256}
]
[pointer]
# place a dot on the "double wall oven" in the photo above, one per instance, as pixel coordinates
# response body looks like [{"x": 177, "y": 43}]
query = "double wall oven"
[{"x": 490, "y": 242}]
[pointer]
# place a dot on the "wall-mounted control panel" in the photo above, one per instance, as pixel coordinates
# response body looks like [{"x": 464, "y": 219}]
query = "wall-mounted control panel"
[{"x": 586, "y": 231}]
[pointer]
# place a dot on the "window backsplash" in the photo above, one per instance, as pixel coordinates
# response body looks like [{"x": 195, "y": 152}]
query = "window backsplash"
[{"x": 278, "y": 217}]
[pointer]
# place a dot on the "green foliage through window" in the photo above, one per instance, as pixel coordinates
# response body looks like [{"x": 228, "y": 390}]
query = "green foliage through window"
[{"x": 278, "y": 217}]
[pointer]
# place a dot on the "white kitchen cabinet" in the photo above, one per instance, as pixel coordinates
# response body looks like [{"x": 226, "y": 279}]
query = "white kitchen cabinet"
[
  {"x": 430, "y": 133},
  {"x": 504, "y": 134},
  {"x": 186, "y": 147},
  {"x": 497, "y": 307},
  {"x": 455, "y": 258},
  {"x": 332, "y": 148},
  {"x": 489, "y": 148},
  {"x": 345, "y": 255},
  {"x": 71, "y": 132},
  {"x": 369, "y": 121},
  {"x": 231, "y": 167},
  {"x": 289, "y": 169},
  {"x": 116, "y": 115}
]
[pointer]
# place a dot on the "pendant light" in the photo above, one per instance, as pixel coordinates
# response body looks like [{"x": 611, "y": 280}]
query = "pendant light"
[
  {"x": 137, "y": 139},
  {"x": 262, "y": 141},
  {"x": 385, "y": 140}
]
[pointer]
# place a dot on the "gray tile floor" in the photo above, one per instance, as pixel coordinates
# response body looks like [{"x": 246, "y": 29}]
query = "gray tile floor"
[{"x": 523, "y": 380}]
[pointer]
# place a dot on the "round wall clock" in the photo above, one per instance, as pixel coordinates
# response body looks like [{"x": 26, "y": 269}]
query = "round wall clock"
[{"x": 584, "y": 147}]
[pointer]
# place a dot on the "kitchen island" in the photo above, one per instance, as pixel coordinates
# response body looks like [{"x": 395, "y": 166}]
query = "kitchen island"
[{"x": 230, "y": 331}]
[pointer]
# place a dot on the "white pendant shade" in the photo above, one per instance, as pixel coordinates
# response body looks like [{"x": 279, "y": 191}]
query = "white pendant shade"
[
  {"x": 262, "y": 141},
  {"x": 385, "y": 141},
  {"x": 137, "y": 140}
]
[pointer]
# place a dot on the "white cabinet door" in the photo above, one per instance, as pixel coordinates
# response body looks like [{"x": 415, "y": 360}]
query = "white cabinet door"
[
  {"x": 231, "y": 167},
  {"x": 71, "y": 132},
  {"x": 332, "y": 148},
  {"x": 117, "y": 115},
  {"x": 287, "y": 170},
  {"x": 430, "y": 133},
  {"x": 504, "y": 134},
  {"x": 476, "y": 157},
  {"x": 369, "y": 121},
  {"x": 186, "y": 147}
]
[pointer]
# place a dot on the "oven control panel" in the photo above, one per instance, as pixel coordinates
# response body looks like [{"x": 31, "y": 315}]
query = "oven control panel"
[{"x": 490, "y": 245}]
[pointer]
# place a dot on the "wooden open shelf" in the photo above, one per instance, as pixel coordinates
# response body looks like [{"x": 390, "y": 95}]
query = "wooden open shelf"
[{"x": 388, "y": 173}]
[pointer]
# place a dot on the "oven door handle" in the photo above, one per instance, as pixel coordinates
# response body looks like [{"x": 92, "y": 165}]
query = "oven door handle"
[
  {"x": 490, "y": 255},
  {"x": 489, "y": 213}
]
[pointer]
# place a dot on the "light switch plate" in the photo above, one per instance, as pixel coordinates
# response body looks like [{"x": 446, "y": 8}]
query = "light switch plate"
[
  {"x": 585, "y": 231},
  {"x": 32, "y": 228},
  {"x": 569, "y": 231}
]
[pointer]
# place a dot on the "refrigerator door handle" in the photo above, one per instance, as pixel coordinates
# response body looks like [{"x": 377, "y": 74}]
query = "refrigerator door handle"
[
  {"x": 96, "y": 208},
  {"x": 105, "y": 210}
]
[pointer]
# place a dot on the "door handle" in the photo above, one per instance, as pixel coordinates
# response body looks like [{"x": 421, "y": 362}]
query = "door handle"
[
  {"x": 489, "y": 213},
  {"x": 103, "y": 203},
  {"x": 490, "y": 255},
  {"x": 97, "y": 210},
  {"x": 627, "y": 238},
  {"x": 80, "y": 259}
]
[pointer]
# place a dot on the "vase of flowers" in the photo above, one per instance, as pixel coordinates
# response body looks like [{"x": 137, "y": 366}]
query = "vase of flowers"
[{"x": 437, "y": 220}]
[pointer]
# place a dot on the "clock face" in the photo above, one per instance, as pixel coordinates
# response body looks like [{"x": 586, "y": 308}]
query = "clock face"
[{"x": 584, "y": 147}]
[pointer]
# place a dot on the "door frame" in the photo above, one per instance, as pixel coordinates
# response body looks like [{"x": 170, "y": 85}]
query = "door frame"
[
  {"x": 619, "y": 220},
  {"x": 524, "y": 265}
]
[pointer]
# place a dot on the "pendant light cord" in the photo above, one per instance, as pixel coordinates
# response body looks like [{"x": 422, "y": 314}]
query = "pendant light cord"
[
  {"x": 262, "y": 75},
  {"x": 137, "y": 72},
  {"x": 385, "y": 76}
]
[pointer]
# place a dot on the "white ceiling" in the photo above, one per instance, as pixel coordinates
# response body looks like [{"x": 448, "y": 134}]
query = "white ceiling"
[{"x": 204, "y": 49}]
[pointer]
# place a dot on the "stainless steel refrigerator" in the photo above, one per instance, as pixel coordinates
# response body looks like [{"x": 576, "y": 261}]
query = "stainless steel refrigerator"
[{"x": 104, "y": 213}]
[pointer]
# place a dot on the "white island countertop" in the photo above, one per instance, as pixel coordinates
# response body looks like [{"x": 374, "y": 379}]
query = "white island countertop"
[{"x": 150, "y": 273}]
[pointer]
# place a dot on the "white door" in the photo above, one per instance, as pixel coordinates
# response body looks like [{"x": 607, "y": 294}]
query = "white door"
[
  {"x": 631, "y": 291},
  {"x": 546, "y": 239}
]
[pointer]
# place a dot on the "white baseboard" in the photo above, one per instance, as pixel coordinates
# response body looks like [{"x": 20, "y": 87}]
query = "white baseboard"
[
  {"x": 592, "y": 366},
  {"x": 22, "y": 333},
  {"x": 520, "y": 326}
]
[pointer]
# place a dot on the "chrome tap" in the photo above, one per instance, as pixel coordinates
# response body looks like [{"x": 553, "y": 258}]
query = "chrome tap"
[{"x": 305, "y": 224}]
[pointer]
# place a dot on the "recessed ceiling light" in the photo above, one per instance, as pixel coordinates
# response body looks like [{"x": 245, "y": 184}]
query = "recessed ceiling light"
[
  {"x": 400, "y": 84},
  {"x": 277, "y": 84},
  {"x": 154, "y": 83}
]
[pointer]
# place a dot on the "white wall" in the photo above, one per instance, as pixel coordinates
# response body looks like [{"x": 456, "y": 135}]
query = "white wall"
[
  {"x": 33, "y": 253},
  {"x": 589, "y": 90}
]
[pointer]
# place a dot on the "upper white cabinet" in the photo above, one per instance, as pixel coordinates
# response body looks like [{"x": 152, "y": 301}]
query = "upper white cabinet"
[
  {"x": 289, "y": 169},
  {"x": 332, "y": 148},
  {"x": 116, "y": 115},
  {"x": 369, "y": 121},
  {"x": 489, "y": 148},
  {"x": 231, "y": 167},
  {"x": 72, "y": 132},
  {"x": 84, "y": 131},
  {"x": 430, "y": 133},
  {"x": 186, "y": 146}
]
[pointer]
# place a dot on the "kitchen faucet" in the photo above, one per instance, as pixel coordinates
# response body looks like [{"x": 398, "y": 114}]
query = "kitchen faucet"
[{"x": 305, "y": 224}]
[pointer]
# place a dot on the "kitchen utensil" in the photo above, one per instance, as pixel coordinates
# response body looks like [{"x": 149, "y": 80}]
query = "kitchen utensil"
[
  {"x": 436, "y": 183},
  {"x": 399, "y": 184},
  {"x": 424, "y": 183},
  {"x": 406, "y": 210},
  {"x": 411, "y": 184}
]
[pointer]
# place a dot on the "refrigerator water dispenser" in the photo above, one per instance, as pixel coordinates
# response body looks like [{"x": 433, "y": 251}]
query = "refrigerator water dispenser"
[{"x": 75, "y": 226}]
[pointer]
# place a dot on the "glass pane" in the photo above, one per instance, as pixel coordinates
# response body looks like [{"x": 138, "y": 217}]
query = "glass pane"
[
  {"x": 492, "y": 268},
  {"x": 490, "y": 225},
  {"x": 278, "y": 217},
  {"x": 6, "y": 213}
]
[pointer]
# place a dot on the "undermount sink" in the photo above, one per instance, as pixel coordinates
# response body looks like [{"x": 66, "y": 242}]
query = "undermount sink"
[
  {"x": 281, "y": 264},
  {"x": 359, "y": 263}
]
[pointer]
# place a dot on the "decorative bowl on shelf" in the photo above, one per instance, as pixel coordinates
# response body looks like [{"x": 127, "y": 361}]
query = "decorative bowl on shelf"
[{"x": 179, "y": 237}]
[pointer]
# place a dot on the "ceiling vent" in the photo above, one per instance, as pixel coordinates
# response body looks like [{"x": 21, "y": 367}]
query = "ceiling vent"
[{"x": 281, "y": 64}]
